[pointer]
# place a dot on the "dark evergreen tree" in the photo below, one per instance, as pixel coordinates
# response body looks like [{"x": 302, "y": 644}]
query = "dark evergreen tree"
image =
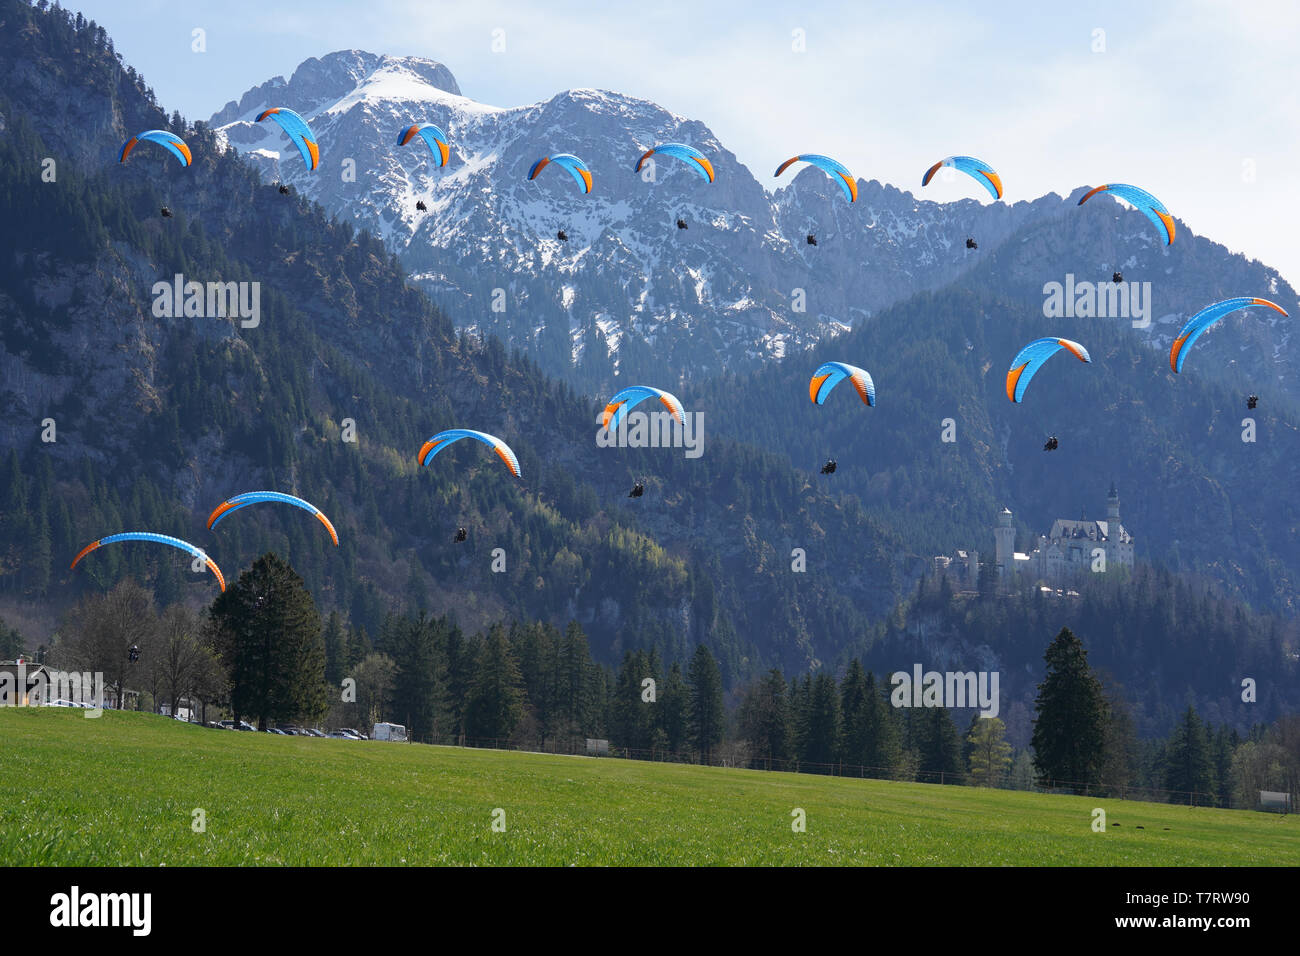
[
  {"x": 764, "y": 720},
  {"x": 1189, "y": 762},
  {"x": 268, "y": 634},
  {"x": 1070, "y": 725},
  {"x": 707, "y": 716},
  {"x": 496, "y": 696}
]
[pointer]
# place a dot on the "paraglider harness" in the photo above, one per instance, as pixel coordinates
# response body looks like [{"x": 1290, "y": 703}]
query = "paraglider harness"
[
  {"x": 971, "y": 243},
  {"x": 681, "y": 224},
  {"x": 562, "y": 236},
  {"x": 637, "y": 491},
  {"x": 1252, "y": 401},
  {"x": 1051, "y": 444},
  {"x": 420, "y": 206},
  {"x": 829, "y": 467},
  {"x": 461, "y": 535},
  {"x": 1117, "y": 277}
]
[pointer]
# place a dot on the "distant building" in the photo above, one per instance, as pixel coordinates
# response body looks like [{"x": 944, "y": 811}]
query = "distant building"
[{"x": 1070, "y": 550}]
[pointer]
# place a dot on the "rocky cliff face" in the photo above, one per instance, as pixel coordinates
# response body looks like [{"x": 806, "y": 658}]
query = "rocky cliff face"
[{"x": 631, "y": 294}]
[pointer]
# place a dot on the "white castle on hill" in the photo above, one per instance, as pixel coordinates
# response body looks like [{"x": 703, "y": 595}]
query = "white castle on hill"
[{"x": 1069, "y": 551}]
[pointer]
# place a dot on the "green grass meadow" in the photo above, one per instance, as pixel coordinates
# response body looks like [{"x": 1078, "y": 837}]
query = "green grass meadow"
[{"x": 120, "y": 790}]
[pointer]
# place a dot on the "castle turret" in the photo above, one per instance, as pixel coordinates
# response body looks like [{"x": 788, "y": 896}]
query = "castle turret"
[
  {"x": 1004, "y": 536},
  {"x": 1112, "y": 507}
]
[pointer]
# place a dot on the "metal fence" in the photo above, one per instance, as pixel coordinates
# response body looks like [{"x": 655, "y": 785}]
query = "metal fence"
[{"x": 736, "y": 756}]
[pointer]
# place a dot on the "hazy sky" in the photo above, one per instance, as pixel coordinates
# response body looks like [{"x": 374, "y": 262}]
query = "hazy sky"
[{"x": 1196, "y": 101}]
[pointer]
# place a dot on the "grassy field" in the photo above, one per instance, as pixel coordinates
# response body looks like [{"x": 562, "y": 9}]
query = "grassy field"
[{"x": 121, "y": 790}]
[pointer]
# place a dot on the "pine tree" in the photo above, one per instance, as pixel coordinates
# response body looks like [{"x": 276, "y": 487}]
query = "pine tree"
[
  {"x": 1189, "y": 763},
  {"x": 1070, "y": 724},
  {"x": 820, "y": 742},
  {"x": 990, "y": 754},
  {"x": 939, "y": 747},
  {"x": 268, "y": 634},
  {"x": 882, "y": 730},
  {"x": 707, "y": 717},
  {"x": 672, "y": 716},
  {"x": 855, "y": 715},
  {"x": 496, "y": 697},
  {"x": 336, "y": 649},
  {"x": 764, "y": 720}
]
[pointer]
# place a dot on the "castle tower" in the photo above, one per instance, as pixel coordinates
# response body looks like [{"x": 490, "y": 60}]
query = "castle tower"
[
  {"x": 1004, "y": 537},
  {"x": 1113, "y": 548}
]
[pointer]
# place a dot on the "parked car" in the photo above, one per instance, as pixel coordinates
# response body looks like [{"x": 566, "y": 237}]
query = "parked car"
[
  {"x": 315, "y": 732},
  {"x": 276, "y": 730},
  {"x": 64, "y": 702},
  {"x": 355, "y": 733}
]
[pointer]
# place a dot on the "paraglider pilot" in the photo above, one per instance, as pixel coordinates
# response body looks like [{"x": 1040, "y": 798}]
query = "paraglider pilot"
[
  {"x": 461, "y": 535},
  {"x": 829, "y": 467},
  {"x": 637, "y": 490},
  {"x": 1051, "y": 444}
]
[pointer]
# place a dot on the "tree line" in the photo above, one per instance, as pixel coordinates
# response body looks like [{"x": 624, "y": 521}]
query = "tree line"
[{"x": 262, "y": 652}]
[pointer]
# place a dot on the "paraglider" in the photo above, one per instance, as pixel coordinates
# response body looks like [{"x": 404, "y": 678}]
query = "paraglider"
[
  {"x": 156, "y": 539},
  {"x": 562, "y": 236},
  {"x": 681, "y": 223},
  {"x": 284, "y": 190},
  {"x": 1117, "y": 277},
  {"x": 441, "y": 440},
  {"x": 637, "y": 491},
  {"x": 829, "y": 467},
  {"x": 231, "y": 505},
  {"x": 575, "y": 167},
  {"x": 1252, "y": 401},
  {"x": 1147, "y": 204},
  {"x": 977, "y": 169},
  {"x": 420, "y": 206},
  {"x": 830, "y": 374},
  {"x": 633, "y": 395},
  {"x": 168, "y": 141},
  {"x": 296, "y": 128},
  {"x": 688, "y": 154},
  {"x": 832, "y": 168},
  {"x": 433, "y": 137},
  {"x": 971, "y": 243},
  {"x": 1031, "y": 358},
  {"x": 461, "y": 535},
  {"x": 1202, "y": 320},
  {"x": 166, "y": 213},
  {"x": 812, "y": 240},
  {"x": 1051, "y": 444}
]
